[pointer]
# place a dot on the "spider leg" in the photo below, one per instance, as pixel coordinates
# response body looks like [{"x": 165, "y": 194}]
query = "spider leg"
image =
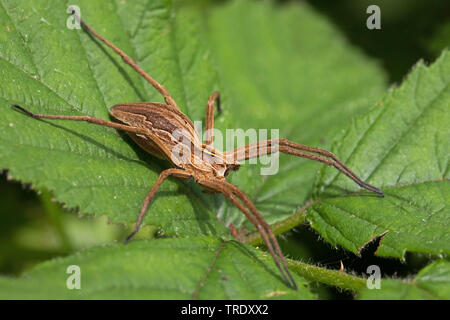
[
  {"x": 87, "y": 119},
  {"x": 283, "y": 145},
  {"x": 209, "y": 122},
  {"x": 234, "y": 232},
  {"x": 245, "y": 199},
  {"x": 130, "y": 62},
  {"x": 179, "y": 173},
  {"x": 243, "y": 203}
]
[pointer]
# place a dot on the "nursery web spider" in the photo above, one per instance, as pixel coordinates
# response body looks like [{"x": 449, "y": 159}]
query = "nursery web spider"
[{"x": 152, "y": 126}]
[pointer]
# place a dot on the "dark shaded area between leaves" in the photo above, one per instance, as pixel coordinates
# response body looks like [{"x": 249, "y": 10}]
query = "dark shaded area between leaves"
[{"x": 407, "y": 27}]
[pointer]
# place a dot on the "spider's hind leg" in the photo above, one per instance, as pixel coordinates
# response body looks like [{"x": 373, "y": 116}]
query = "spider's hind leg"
[{"x": 238, "y": 198}]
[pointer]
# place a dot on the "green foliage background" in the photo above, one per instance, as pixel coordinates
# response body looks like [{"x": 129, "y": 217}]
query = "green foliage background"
[{"x": 312, "y": 70}]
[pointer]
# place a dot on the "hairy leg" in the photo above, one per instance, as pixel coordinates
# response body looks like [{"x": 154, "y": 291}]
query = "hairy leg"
[
  {"x": 283, "y": 145},
  {"x": 238, "y": 198},
  {"x": 87, "y": 119},
  {"x": 179, "y": 173},
  {"x": 209, "y": 122}
]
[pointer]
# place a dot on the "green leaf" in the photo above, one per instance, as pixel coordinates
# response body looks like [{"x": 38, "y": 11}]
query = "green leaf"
[
  {"x": 401, "y": 146},
  {"x": 199, "y": 268},
  {"x": 432, "y": 282},
  {"x": 282, "y": 67},
  {"x": 440, "y": 39},
  {"x": 48, "y": 68}
]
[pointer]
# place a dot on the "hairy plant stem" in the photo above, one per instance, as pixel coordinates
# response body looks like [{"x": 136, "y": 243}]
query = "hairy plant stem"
[
  {"x": 310, "y": 272},
  {"x": 329, "y": 277},
  {"x": 280, "y": 227}
]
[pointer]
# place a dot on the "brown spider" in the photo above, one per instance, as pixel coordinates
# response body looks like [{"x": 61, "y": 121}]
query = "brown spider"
[{"x": 153, "y": 126}]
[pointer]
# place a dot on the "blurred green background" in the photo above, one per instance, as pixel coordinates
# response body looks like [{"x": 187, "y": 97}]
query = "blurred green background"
[{"x": 33, "y": 228}]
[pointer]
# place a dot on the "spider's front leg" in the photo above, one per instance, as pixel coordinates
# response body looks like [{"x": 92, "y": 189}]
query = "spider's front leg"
[{"x": 283, "y": 145}]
